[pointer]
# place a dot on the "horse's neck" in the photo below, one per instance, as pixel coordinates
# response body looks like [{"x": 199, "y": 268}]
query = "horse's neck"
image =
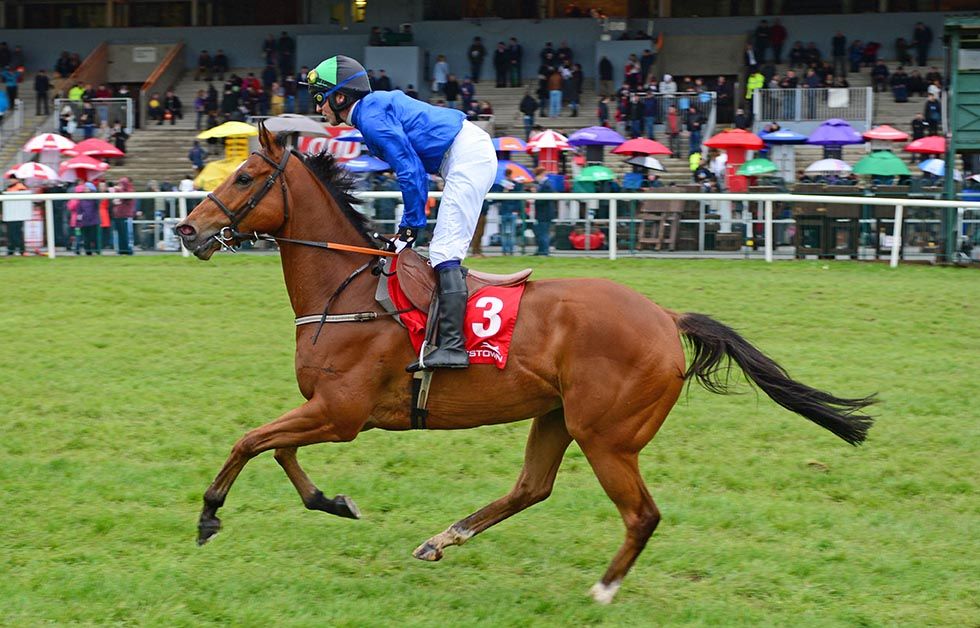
[{"x": 312, "y": 274}]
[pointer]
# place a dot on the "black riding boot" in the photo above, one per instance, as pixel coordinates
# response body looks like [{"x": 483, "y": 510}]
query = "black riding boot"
[{"x": 451, "y": 348}]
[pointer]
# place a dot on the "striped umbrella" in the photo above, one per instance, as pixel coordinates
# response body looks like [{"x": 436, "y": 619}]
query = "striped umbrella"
[
  {"x": 48, "y": 141},
  {"x": 32, "y": 170},
  {"x": 82, "y": 167}
]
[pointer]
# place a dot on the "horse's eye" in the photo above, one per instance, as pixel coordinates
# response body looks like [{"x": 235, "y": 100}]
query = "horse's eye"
[{"x": 243, "y": 179}]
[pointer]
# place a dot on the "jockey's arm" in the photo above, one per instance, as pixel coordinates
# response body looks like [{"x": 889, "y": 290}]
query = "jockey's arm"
[{"x": 388, "y": 135}]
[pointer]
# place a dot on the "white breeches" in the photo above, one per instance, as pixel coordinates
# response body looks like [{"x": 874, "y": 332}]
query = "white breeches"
[{"x": 469, "y": 170}]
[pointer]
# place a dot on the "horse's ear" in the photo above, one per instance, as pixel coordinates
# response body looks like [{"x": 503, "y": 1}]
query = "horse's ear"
[{"x": 267, "y": 139}]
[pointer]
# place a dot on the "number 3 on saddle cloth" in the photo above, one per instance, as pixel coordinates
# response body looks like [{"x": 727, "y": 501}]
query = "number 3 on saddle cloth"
[{"x": 491, "y": 308}]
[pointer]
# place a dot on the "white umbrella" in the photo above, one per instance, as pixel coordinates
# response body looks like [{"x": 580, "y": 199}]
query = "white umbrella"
[
  {"x": 48, "y": 141},
  {"x": 828, "y": 165},
  {"x": 975, "y": 177},
  {"x": 938, "y": 168},
  {"x": 647, "y": 161},
  {"x": 34, "y": 171}
]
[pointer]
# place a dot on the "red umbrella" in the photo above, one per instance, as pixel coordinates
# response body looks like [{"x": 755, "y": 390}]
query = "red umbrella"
[
  {"x": 641, "y": 146},
  {"x": 94, "y": 147},
  {"x": 82, "y": 167},
  {"x": 931, "y": 145},
  {"x": 886, "y": 133},
  {"x": 736, "y": 138}
]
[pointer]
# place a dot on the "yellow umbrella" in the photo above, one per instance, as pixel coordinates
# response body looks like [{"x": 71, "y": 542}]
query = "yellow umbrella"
[
  {"x": 229, "y": 129},
  {"x": 215, "y": 172}
]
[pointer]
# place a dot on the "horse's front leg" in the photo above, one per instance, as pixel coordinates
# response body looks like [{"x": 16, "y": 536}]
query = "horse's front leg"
[
  {"x": 305, "y": 425},
  {"x": 313, "y": 498}
]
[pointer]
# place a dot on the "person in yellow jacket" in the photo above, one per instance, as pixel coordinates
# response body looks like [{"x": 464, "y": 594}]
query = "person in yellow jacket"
[
  {"x": 694, "y": 159},
  {"x": 754, "y": 82}
]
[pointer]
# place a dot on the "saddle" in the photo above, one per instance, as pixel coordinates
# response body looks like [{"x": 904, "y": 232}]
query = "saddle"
[{"x": 418, "y": 280}]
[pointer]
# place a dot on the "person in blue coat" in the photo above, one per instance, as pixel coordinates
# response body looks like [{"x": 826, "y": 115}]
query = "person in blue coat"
[{"x": 418, "y": 139}]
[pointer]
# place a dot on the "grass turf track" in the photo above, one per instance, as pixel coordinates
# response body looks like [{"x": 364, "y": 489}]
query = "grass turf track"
[{"x": 126, "y": 381}]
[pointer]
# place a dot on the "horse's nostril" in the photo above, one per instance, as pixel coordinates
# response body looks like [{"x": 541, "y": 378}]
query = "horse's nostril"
[{"x": 185, "y": 230}]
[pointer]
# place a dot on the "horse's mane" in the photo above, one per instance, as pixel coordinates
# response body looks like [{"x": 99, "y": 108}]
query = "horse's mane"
[{"x": 339, "y": 184}]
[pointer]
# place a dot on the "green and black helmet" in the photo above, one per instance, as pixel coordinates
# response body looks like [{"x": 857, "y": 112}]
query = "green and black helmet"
[{"x": 335, "y": 75}]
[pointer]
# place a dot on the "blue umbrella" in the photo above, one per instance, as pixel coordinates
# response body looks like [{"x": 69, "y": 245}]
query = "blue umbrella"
[
  {"x": 596, "y": 136},
  {"x": 783, "y": 136},
  {"x": 350, "y": 136},
  {"x": 366, "y": 163},
  {"x": 937, "y": 167}
]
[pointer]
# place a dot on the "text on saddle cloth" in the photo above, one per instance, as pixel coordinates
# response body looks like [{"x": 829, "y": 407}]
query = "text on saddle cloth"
[{"x": 491, "y": 314}]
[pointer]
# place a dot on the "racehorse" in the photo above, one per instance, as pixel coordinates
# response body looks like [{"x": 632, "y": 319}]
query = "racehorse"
[{"x": 591, "y": 360}]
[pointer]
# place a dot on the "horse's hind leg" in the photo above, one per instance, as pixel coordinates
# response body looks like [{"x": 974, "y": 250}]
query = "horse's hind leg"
[
  {"x": 313, "y": 498},
  {"x": 546, "y": 444},
  {"x": 619, "y": 473}
]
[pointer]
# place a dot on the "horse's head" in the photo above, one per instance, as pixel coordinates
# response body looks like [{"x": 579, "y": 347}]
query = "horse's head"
[{"x": 246, "y": 203}]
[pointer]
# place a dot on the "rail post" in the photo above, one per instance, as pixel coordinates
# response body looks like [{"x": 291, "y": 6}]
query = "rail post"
[
  {"x": 49, "y": 226},
  {"x": 897, "y": 236}
]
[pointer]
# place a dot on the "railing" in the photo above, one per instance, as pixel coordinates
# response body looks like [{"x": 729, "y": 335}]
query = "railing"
[
  {"x": 107, "y": 109},
  {"x": 803, "y": 109},
  {"x": 164, "y": 75},
  {"x": 706, "y": 104},
  {"x": 94, "y": 70},
  {"x": 162, "y": 224}
]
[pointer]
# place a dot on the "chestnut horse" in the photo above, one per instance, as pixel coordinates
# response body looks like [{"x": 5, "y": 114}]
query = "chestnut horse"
[{"x": 591, "y": 361}]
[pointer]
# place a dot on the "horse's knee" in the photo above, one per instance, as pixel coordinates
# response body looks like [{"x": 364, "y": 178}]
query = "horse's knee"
[
  {"x": 642, "y": 524},
  {"x": 246, "y": 447}
]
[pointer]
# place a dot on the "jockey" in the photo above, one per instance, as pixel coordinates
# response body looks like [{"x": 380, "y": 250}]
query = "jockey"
[{"x": 416, "y": 138}]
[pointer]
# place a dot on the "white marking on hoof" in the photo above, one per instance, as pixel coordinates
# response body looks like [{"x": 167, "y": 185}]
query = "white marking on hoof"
[{"x": 604, "y": 594}]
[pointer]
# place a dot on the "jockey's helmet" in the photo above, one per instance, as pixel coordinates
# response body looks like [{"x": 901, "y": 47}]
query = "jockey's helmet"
[{"x": 338, "y": 74}]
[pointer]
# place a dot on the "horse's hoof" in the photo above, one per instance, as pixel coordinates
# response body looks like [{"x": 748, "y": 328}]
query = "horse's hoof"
[
  {"x": 345, "y": 507},
  {"x": 206, "y": 529},
  {"x": 427, "y": 551},
  {"x": 604, "y": 593}
]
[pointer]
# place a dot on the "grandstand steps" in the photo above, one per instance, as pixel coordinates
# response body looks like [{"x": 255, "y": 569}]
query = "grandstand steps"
[
  {"x": 156, "y": 153},
  {"x": 14, "y": 140}
]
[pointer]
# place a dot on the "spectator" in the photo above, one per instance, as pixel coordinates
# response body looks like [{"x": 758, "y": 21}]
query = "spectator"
[
  {"x": 899, "y": 82},
  {"x": 921, "y": 39},
  {"x": 467, "y": 92},
  {"x": 87, "y": 218},
  {"x": 501, "y": 64},
  {"x": 673, "y": 130},
  {"x": 920, "y": 127},
  {"x": 62, "y": 67},
  {"x": 186, "y": 184},
  {"x": 173, "y": 106},
  {"x": 302, "y": 95},
  {"x": 289, "y": 93},
  {"x": 934, "y": 76},
  {"x": 269, "y": 49},
  {"x": 440, "y": 74},
  {"x": 66, "y": 120},
  {"x": 197, "y": 155},
  {"x": 528, "y": 107},
  {"x": 667, "y": 86},
  {"x": 564, "y": 53},
  {"x": 602, "y": 111},
  {"x": 118, "y": 136},
  {"x": 383, "y": 82},
  {"x": 11, "y": 79},
  {"x": 544, "y": 212},
  {"x": 879, "y": 76},
  {"x": 725, "y": 98},
  {"x": 42, "y": 84},
  {"x": 451, "y": 91},
  {"x": 554, "y": 92},
  {"x": 749, "y": 58},
  {"x": 777, "y": 38},
  {"x": 695, "y": 123},
  {"x": 220, "y": 67},
  {"x": 933, "y": 114},
  {"x": 375, "y": 39},
  {"x": 870, "y": 56},
  {"x": 935, "y": 89},
  {"x": 123, "y": 211},
  {"x": 741, "y": 119},
  {"x": 754, "y": 82},
  {"x": 269, "y": 76},
  {"x": 277, "y": 100},
  {"x": 635, "y": 115},
  {"x": 411, "y": 92},
  {"x": 547, "y": 53},
  {"x": 543, "y": 73},
  {"x": 838, "y": 47},
  {"x": 646, "y": 65},
  {"x": 760, "y": 41},
  {"x": 632, "y": 73},
  {"x": 573, "y": 88},
  {"x": 605, "y": 77},
  {"x": 902, "y": 52},
  {"x": 515, "y": 55},
  {"x": 797, "y": 55},
  {"x": 649, "y": 114},
  {"x": 477, "y": 53},
  {"x": 854, "y": 54},
  {"x": 155, "y": 108},
  {"x": 88, "y": 119},
  {"x": 286, "y": 49},
  {"x": 203, "y": 66},
  {"x": 917, "y": 85},
  {"x": 508, "y": 210}
]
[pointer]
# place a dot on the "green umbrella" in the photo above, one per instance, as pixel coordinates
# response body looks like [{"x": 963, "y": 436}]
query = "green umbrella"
[
  {"x": 595, "y": 173},
  {"x": 757, "y": 166},
  {"x": 883, "y": 163}
]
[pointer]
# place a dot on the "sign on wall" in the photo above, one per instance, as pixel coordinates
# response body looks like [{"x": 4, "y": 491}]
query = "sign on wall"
[{"x": 144, "y": 54}]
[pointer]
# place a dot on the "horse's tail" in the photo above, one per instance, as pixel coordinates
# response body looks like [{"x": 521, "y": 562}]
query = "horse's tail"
[{"x": 712, "y": 342}]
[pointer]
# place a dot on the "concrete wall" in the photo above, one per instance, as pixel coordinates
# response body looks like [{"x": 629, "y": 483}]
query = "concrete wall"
[
  {"x": 724, "y": 52},
  {"x": 312, "y": 49},
  {"x": 403, "y": 64},
  {"x": 127, "y": 65},
  {"x": 617, "y": 52}
]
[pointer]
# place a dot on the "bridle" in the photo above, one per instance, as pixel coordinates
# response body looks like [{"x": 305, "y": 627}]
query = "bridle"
[{"x": 227, "y": 235}]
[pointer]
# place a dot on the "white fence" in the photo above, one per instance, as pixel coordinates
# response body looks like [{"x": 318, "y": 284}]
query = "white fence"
[{"x": 765, "y": 201}]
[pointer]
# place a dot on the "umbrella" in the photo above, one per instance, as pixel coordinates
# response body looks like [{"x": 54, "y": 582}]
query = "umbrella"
[
  {"x": 366, "y": 163},
  {"x": 735, "y": 138},
  {"x": 595, "y": 173},
  {"x": 828, "y": 165},
  {"x": 835, "y": 132},
  {"x": 513, "y": 171},
  {"x": 756, "y": 167},
  {"x": 82, "y": 167},
  {"x": 94, "y": 147},
  {"x": 350, "y": 136},
  {"x": 930, "y": 145},
  {"x": 975, "y": 177},
  {"x": 783, "y": 136},
  {"x": 646, "y": 161},
  {"x": 294, "y": 123},
  {"x": 229, "y": 129},
  {"x": 215, "y": 172},
  {"x": 595, "y": 136},
  {"x": 642, "y": 146},
  {"x": 48, "y": 141},
  {"x": 508, "y": 143},
  {"x": 32, "y": 170},
  {"x": 883, "y": 163},
  {"x": 938, "y": 168},
  {"x": 886, "y": 133},
  {"x": 547, "y": 139}
]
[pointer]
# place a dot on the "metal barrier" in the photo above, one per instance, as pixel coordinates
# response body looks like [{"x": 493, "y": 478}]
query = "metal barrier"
[
  {"x": 107, "y": 109},
  {"x": 764, "y": 201},
  {"x": 804, "y": 109}
]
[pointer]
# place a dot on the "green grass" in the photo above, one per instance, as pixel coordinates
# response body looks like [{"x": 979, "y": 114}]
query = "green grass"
[{"x": 126, "y": 381}]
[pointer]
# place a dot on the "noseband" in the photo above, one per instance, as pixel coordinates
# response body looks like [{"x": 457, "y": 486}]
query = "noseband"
[{"x": 228, "y": 234}]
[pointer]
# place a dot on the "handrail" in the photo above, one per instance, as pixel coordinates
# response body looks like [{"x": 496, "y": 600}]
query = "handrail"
[
  {"x": 89, "y": 71},
  {"x": 164, "y": 65}
]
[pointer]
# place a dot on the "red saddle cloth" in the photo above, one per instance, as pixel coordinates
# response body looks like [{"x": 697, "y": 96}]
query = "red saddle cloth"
[{"x": 491, "y": 313}]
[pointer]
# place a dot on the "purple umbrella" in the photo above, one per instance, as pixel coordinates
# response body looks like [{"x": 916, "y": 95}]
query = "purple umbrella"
[
  {"x": 595, "y": 136},
  {"x": 835, "y": 132}
]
